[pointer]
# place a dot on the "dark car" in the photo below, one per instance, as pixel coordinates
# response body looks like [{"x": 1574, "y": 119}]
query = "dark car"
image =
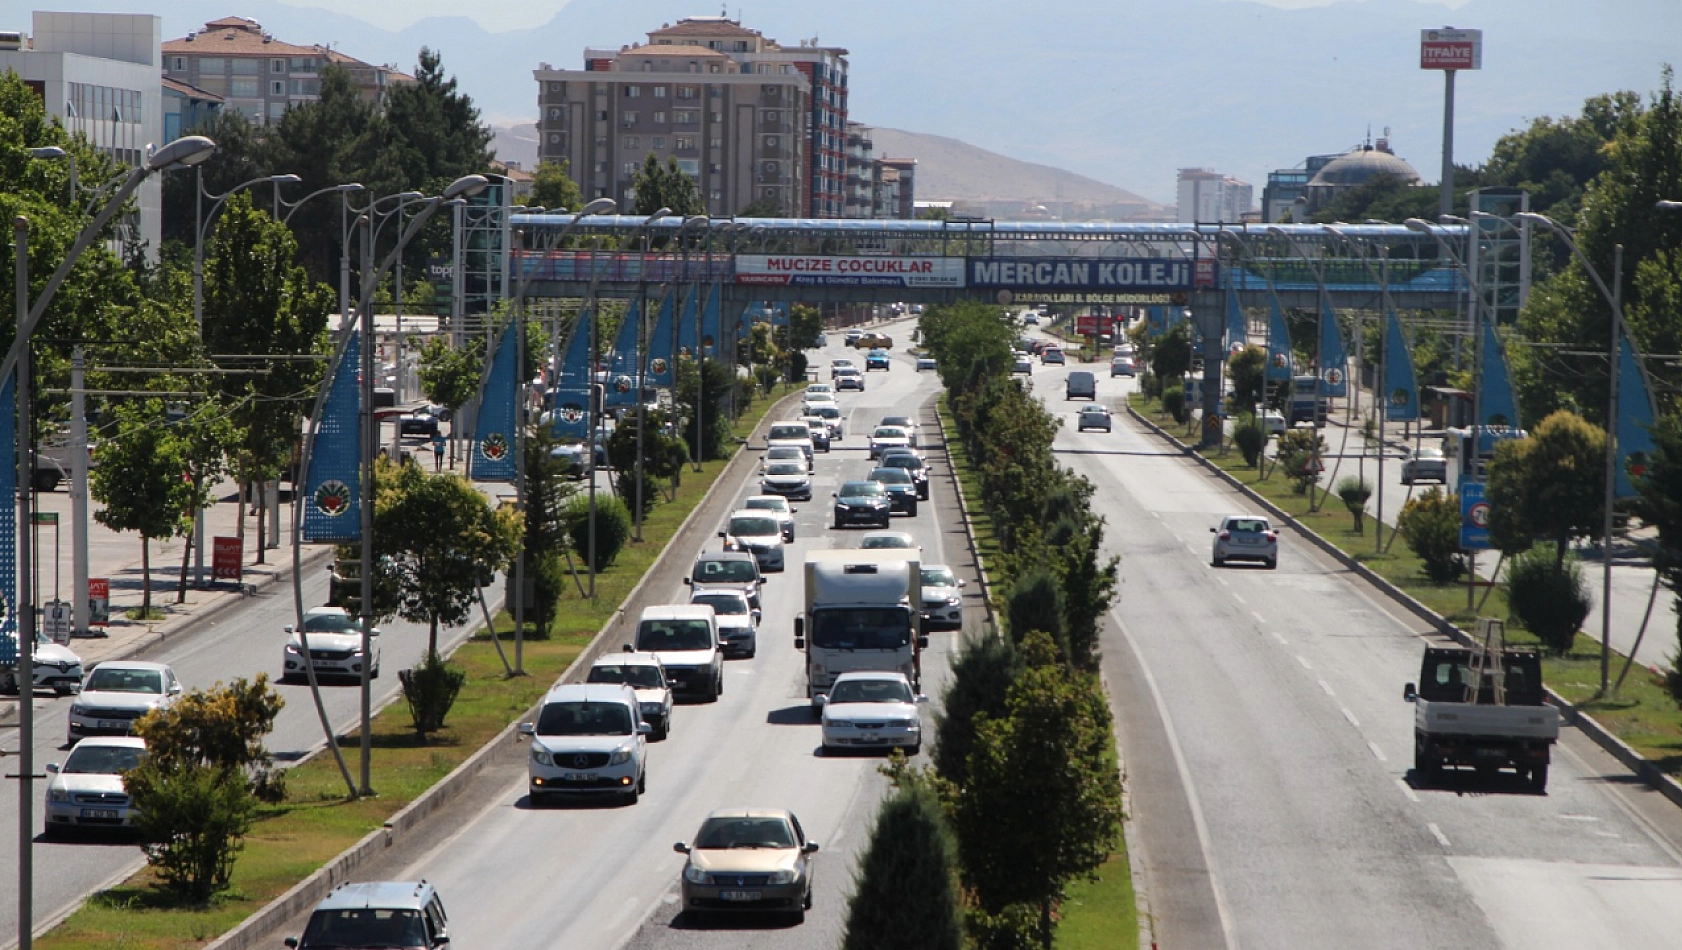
[
  {"x": 902, "y": 489},
  {"x": 865, "y": 503},
  {"x": 877, "y": 359},
  {"x": 418, "y": 424},
  {"x": 911, "y": 462}
]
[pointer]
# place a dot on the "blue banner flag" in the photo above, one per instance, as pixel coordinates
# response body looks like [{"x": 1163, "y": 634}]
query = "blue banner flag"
[
  {"x": 1635, "y": 420},
  {"x": 1237, "y": 333},
  {"x": 332, "y": 493},
  {"x": 710, "y": 325},
  {"x": 1156, "y": 321},
  {"x": 1401, "y": 402},
  {"x": 1278, "y": 345},
  {"x": 622, "y": 374},
  {"x": 689, "y": 321},
  {"x": 660, "y": 343},
  {"x": 1334, "y": 359},
  {"x": 1496, "y": 402},
  {"x": 9, "y": 526},
  {"x": 492, "y": 456},
  {"x": 571, "y": 402}
]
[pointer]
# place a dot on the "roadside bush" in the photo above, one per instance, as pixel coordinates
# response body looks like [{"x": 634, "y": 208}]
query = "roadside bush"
[
  {"x": 1250, "y": 436},
  {"x": 982, "y": 673},
  {"x": 797, "y": 367},
  {"x": 191, "y": 818},
  {"x": 1299, "y": 456},
  {"x": 1150, "y": 384},
  {"x": 1431, "y": 525},
  {"x": 613, "y": 528},
  {"x": 546, "y": 571},
  {"x": 768, "y": 376},
  {"x": 625, "y": 488},
  {"x": 1035, "y": 602},
  {"x": 1551, "y": 601},
  {"x": 431, "y": 689},
  {"x": 905, "y": 892},
  {"x": 1174, "y": 402},
  {"x": 1355, "y": 491}
]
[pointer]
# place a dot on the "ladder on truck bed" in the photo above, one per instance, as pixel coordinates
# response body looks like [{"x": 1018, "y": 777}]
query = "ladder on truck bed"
[{"x": 1487, "y": 662}]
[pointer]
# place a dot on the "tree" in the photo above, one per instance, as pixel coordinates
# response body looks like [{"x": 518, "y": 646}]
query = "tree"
[
  {"x": 982, "y": 673},
  {"x": 1431, "y": 525},
  {"x": 239, "y": 157},
  {"x": 665, "y": 186},
  {"x": 1043, "y": 801},
  {"x": 1248, "y": 371},
  {"x": 905, "y": 892},
  {"x": 449, "y": 375},
  {"x": 805, "y": 325},
  {"x": 709, "y": 413},
  {"x": 762, "y": 208},
  {"x": 1552, "y": 486},
  {"x": 553, "y": 186},
  {"x": 1171, "y": 357},
  {"x": 1088, "y": 582},
  {"x": 548, "y": 487},
  {"x": 1549, "y": 596},
  {"x": 138, "y": 477},
  {"x": 1660, "y": 505},
  {"x": 434, "y": 128}
]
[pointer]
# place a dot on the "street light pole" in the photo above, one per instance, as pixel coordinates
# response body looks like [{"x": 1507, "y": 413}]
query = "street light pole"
[{"x": 642, "y": 358}]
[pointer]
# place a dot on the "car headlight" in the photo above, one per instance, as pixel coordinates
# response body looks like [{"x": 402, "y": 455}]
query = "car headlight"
[
  {"x": 78, "y": 710},
  {"x": 954, "y": 600},
  {"x": 694, "y": 875},
  {"x": 782, "y": 877},
  {"x": 58, "y": 795},
  {"x": 292, "y": 650},
  {"x": 621, "y": 756},
  {"x": 652, "y": 709},
  {"x": 541, "y": 757},
  {"x": 836, "y": 724}
]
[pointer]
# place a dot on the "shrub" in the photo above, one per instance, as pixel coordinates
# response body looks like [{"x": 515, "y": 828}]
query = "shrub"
[
  {"x": 191, "y": 817},
  {"x": 768, "y": 375},
  {"x": 613, "y": 528},
  {"x": 625, "y": 487},
  {"x": 1299, "y": 456},
  {"x": 981, "y": 676},
  {"x": 1250, "y": 436},
  {"x": 431, "y": 689},
  {"x": 546, "y": 572},
  {"x": 905, "y": 893},
  {"x": 1552, "y": 601},
  {"x": 1431, "y": 525},
  {"x": 1174, "y": 402},
  {"x": 1150, "y": 384},
  {"x": 797, "y": 367},
  {"x": 1355, "y": 491},
  {"x": 1035, "y": 602}
]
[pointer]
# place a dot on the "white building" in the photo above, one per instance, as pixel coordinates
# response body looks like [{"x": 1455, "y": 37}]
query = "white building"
[
  {"x": 98, "y": 74},
  {"x": 1207, "y": 196}
]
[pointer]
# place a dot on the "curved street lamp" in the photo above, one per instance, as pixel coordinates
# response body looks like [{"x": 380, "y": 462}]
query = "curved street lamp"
[
  {"x": 642, "y": 353},
  {"x": 344, "y": 191}
]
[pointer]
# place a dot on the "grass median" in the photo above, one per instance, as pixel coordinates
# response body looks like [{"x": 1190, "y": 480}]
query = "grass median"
[
  {"x": 1641, "y": 713},
  {"x": 291, "y": 840}
]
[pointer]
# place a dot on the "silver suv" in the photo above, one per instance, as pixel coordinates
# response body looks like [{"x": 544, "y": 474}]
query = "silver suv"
[
  {"x": 589, "y": 738},
  {"x": 404, "y": 915}
]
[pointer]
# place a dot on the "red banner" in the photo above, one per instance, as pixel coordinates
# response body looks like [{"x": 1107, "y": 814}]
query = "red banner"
[
  {"x": 99, "y": 601},
  {"x": 228, "y": 560}
]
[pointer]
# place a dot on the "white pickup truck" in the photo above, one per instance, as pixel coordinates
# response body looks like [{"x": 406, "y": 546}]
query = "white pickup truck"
[{"x": 1462, "y": 717}]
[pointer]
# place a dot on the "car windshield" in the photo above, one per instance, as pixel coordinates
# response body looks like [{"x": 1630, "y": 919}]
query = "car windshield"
[
  {"x": 891, "y": 476},
  {"x": 365, "y": 927},
  {"x": 780, "y": 432},
  {"x": 656, "y": 635},
  {"x": 102, "y": 759},
  {"x": 902, "y": 460},
  {"x": 126, "y": 681},
  {"x": 828, "y": 412},
  {"x": 767, "y": 504},
  {"x": 901, "y": 421},
  {"x": 637, "y": 676},
  {"x": 1095, "y": 411},
  {"x": 754, "y": 526},
  {"x": 889, "y": 432},
  {"x": 723, "y": 603},
  {"x": 1247, "y": 525},
  {"x": 939, "y": 577},
  {"x": 785, "y": 468},
  {"x": 725, "y": 572},
  {"x": 870, "y": 691},
  {"x": 585, "y": 719},
  {"x": 721, "y": 834},
  {"x": 862, "y": 490},
  {"x": 778, "y": 452},
  {"x": 330, "y": 623},
  {"x": 861, "y": 628},
  {"x": 1428, "y": 453},
  {"x": 885, "y": 541}
]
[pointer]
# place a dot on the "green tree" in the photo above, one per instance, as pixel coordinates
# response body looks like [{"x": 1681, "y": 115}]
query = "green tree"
[
  {"x": 1043, "y": 802},
  {"x": 434, "y": 127},
  {"x": 449, "y": 375},
  {"x": 1247, "y": 369},
  {"x": 1660, "y": 505},
  {"x": 905, "y": 891},
  {"x": 1171, "y": 357},
  {"x": 1035, "y": 602},
  {"x": 613, "y": 528},
  {"x": 553, "y": 186},
  {"x": 548, "y": 488},
  {"x": 1548, "y": 594},
  {"x": 805, "y": 325},
  {"x": 1553, "y": 487},
  {"x": 665, "y": 186},
  {"x": 239, "y": 157},
  {"x": 1431, "y": 525},
  {"x": 1354, "y": 491},
  {"x": 762, "y": 208},
  {"x": 1088, "y": 580},
  {"x": 137, "y": 477},
  {"x": 712, "y": 401},
  {"x": 982, "y": 673}
]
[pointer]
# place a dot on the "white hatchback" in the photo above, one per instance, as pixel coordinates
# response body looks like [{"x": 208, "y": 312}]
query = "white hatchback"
[{"x": 1245, "y": 538}]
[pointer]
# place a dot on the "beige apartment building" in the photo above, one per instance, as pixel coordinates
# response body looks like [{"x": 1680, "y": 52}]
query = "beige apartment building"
[
  {"x": 749, "y": 119},
  {"x": 261, "y": 76}
]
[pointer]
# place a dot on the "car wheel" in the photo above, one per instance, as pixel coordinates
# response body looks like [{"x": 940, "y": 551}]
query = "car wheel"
[
  {"x": 631, "y": 797},
  {"x": 1539, "y": 778},
  {"x": 806, "y": 904},
  {"x": 912, "y": 510},
  {"x": 642, "y": 782},
  {"x": 1217, "y": 562},
  {"x": 45, "y": 481},
  {"x": 1272, "y": 563},
  {"x": 288, "y": 678},
  {"x": 660, "y": 734}
]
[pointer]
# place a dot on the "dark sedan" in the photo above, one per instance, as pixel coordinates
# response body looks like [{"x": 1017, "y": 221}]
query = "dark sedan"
[
  {"x": 902, "y": 491},
  {"x": 865, "y": 503},
  {"x": 911, "y": 462}
]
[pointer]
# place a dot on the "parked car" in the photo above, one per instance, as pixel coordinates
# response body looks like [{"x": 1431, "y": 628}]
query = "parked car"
[
  {"x": 118, "y": 692},
  {"x": 877, "y": 359},
  {"x": 862, "y": 503},
  {"x": 335, "y": 646},
  {"x": 902, "y": 491},
  {"x": 57, "y": 668},
  {"x": 748, "y": 859},
  {"x": 1092, "y": 417},
  {"x": 738, "y": 622},
  {"x": 401, "y": 915},
  {"x": 778, "y": 505},
  {"x": 86, "y": 792},
  {"x": 646, "y": 677},
  {"x": 942, "y": 597},
  {"x": 684, "y": 638},
  {"x": 1122, "y": 366},
  {"x": 1245, "y": 538},
  {"x": 1424, "y": 464},
  {"x": 873, "y": 709}
]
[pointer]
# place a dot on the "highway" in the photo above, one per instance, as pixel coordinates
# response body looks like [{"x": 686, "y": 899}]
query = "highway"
[{"x": 1269, "y": 752}]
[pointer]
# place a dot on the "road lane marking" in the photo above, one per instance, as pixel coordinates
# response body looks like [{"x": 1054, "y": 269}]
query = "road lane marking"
[
  {"x": 1408, "y": 791},
  {"x": 1327, "y": 687},
  {"x": 1377, "y": 752},
  {"x": 1350, "y": 716},
  {"x": 1578, "y": 818},
  {"x": 1437, "y": 833},
  {"x": 1237, "y": 596},
  {"x": 1280, "y": 637},
  {"x": 1258, "y": 616},
  {"x": 1222, "y": 581},
  {"x": 1304, "y": 661}
]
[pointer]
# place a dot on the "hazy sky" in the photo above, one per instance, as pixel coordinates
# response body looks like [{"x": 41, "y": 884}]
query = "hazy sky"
[{"x": 517, "y": 16}]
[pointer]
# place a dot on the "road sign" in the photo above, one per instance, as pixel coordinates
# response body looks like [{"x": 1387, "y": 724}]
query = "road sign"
[
  {"x": 99, "y": 601},
  {"x": 55, "y": 621},
  {"x": 1474, "y": 518},
  {"x": 1450, "y": 49},
  {"x": 228, "y": 557},
  {"x": 44, "y": 517}
]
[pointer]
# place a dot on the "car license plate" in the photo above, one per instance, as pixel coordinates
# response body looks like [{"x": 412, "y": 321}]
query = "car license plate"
[
  {"x": 1248, "y": 540},
  {"x": 113, "y": 724},
  {"x": 577, "y": 776},
  {"x": 1489, "y": 753},
  {"x": 100, "y": 814},
  {"x": 741, "y": 895}
]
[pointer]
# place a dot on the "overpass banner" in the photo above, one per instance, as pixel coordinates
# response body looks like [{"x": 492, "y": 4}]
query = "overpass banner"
[
  {"x": 801, "y": 270},
  {"x": 1030, "y": 274}
]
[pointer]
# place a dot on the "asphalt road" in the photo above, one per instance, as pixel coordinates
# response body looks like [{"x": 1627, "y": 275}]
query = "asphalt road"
[{"x": 1269, "y": 753}]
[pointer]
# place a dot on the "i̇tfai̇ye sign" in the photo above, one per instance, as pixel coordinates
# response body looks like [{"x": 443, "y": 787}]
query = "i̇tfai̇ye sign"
[{"x": 1450, "y": 49}]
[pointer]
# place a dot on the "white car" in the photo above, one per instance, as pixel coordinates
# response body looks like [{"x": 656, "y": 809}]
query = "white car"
[
  {"x": 888, "y": 539},
  {"x": 646, "y": 677},
  {"x": 684, "y": 638},
  {"x": 837, "y": 367},
  {"x": 778, "y": 505},
  {"x": 117, "y": 693},
  {"x": 1092, "y": 417},
  {"x": 787, "y": 453},
  {"x": 1424, "y": 464},
  {"x": 738, "y": 621},
  {"x": 787, "y": 478},
  {"x": 871, "y": 709},
  {"x": 820, "y": 389},
  {"x": 1273, "y": 422},
  {"x": 825, "y": 398},
  {"x": 904, "y": 422},
  {"x": 943, "y": 597},
  {"x": 1245, "y": 538},
  {"x": 335, "y": 646},
  {"x": 831, "y": 414},
  {"x": 819, "y": 427},
  {"x": 849, "y": 378},
  {"x": 887, "y": 437},
  {"x": 759, "y": 533},
  {"x": 57, "y": 668},
  {"x": 86, "y": 792},
  {"x": 589, "y": 738}
]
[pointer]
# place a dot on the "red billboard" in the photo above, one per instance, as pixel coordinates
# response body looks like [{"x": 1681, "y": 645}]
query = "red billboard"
[
  {"x": 227, "y": 559},
  {"x": 1450, "y": 49}
]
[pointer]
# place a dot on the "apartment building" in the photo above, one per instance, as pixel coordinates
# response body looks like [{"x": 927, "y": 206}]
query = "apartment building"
[
  {"x": 1206, "y": 196},
  {"x": 748, "y": 118},
  {"x": 896, "y": 188},
  {"x": 258, "y": 75}
]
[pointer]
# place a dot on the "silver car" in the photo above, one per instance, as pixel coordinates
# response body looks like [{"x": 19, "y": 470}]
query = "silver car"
[
  {"x": 943, "y": 597},
  {"x": 1424, "y": 464},
  {"x": 1245, "y": 538},
  {"x": 86, "y": 792}
]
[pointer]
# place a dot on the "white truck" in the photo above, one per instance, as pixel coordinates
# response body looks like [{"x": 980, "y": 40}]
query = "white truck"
[
  {"x": 861, "y": 613},
  {"x": 1484, "y": 710}
]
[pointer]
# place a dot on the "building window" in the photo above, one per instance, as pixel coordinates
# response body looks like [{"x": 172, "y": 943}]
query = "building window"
[
  {"x": 688, "y": 92},
  {"x": 689, "y": 166},
  {"x": 245, "y": 88},
  {"x": 601, "y": 115},
  {"x": 212, "y": 66},
  {"x": 180, "y": 63},
  {"x": 715, "y": 91},
  {"x": 276, "y": 111},
  {"x": 684, "y": 142},
  {"x": 715, "y": 168},
  {"x": 741, "y": 46},
  {"x": 632, "y": 92},
  {"x": 659, "y": 92},
  {"x": 658, "y": 142},
  {"x": 626, "y": 119},
  {"x": 715, "y": 117},
  {"x": 628, "y": 169},
  {"x": 555, "y": 113},
  {"x": 659, "y": 118},
  {"x": 304, "y": 87},
  {"x": 277, "y": 87},
  {"x": 631, "y": 141},
  {"x": 684, "y": 117},
  {"x": 601, "y": 141},
  {"x": 305, "y": 64},
  {"x": 245, "y": 67},
  {"x": 601, "y": 168},
  {"x": 715, "y": 142},
  {"x": 277, "y": 65}
]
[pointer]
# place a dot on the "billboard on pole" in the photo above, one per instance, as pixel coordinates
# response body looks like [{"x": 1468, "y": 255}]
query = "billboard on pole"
[{"x": 1450, "y": 49}]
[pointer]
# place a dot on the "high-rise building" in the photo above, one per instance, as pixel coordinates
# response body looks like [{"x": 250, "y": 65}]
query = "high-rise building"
[
  {"x": 752, "y": 121},
  {"x": 897, "y": 188},
  {"x": 261, "y": 76},
  {"x": 1208, "y": 196},
  {"x": 859, "y": 201}
]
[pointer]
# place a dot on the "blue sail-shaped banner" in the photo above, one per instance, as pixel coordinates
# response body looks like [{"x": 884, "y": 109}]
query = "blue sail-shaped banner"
[
  {"x": 1496, "y": 402},
  {"x": 689, "y": 321},
  {"x": 710, "y": 326},
  {"x": 571, "y": 403},
  {"x": 1278, "y": 345},
  {"x": 332, "y": 495},
  {"x": 1237, "y": 333},
  {"x": 622, "y": 375},
  {"x": 492, "y": 457},
  {"x": 9, "y": 527},
  {"x": 1401, "y": 401},
  {"x": 1635, "y": 420},
  {"x": 661, "y": 341},
  {"x": 1334, "y": 358}
]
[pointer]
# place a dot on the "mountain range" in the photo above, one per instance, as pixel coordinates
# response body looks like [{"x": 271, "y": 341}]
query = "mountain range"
[{"x": 1120, "y": 91}]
